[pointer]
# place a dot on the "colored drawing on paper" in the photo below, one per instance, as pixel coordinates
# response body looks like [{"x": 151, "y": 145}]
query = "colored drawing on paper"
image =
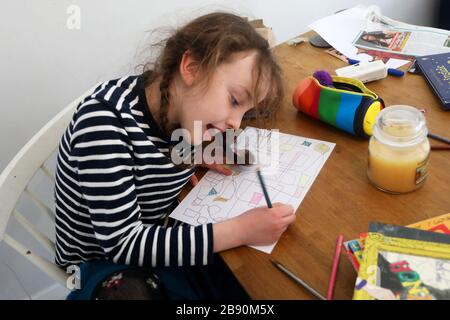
[
  {"x": 286, "y": 147},
  {"x": 257, "y": 196},
  {"x": 212, "y": 192},
  {"x": 303, "y": 180},
  {"x": 299, "y": 162},
  {"x": 322, "y": 148},
  {"x": 222, "y": 199}
]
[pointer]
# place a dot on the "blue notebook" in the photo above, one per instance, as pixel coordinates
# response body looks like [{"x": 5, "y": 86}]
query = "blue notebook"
[{"x": 436, "y": 69}]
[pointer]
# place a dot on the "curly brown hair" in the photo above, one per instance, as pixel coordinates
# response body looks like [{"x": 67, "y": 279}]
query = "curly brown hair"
[{"x": 212, "y": 39}]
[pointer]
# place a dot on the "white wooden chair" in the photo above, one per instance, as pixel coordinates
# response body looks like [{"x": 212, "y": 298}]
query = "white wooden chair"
[{"x": 14, "y": 182}]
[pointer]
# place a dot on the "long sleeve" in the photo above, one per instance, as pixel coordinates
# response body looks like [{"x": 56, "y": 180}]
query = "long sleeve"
[{"x": 102, "y": 150}]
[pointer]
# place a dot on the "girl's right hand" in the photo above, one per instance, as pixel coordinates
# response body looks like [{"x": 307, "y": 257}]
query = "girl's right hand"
[{"x": 263, "y": 225}]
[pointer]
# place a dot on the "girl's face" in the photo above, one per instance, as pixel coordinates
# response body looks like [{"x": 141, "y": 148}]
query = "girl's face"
[
  {"x": 222, "y": 102},
  {"x": 369, "y": 38}
]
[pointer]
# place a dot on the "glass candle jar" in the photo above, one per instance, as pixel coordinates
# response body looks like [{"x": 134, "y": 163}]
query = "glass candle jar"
[{"x": 399, "y": 150}]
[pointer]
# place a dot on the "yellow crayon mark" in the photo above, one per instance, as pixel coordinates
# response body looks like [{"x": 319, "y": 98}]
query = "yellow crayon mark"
[
  {"x": 322, "y": 148},
  {"x": 286, "y": 147},
  {"x": 303, "y": 180},
  {"x": 221, "y": 199}
]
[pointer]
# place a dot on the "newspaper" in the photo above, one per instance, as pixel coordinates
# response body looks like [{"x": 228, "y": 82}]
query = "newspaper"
[
  {"x": 385, "y": 35},
  {"x": 364, "y": 34}
]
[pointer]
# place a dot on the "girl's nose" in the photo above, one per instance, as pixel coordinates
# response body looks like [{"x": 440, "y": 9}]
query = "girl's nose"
[{"x": 234, "y": 122}]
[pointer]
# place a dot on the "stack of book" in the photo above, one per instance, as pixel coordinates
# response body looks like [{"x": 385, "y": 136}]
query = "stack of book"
[{"x": 405, "y": 263}]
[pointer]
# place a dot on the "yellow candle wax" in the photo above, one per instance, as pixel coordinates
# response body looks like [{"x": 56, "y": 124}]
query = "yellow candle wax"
[
  {"x": 398, "y": 170},
  {"x": 399, "y": 150}
]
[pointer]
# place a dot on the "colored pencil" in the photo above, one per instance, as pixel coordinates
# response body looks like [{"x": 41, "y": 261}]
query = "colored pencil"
[
  {"x": 440, "y": 147},
  {"x": 438, "y": 138},
  {"x": 264, "y": 189},
  {"x": 334, "y": 269},
  {"x": 299, "y": 281}
]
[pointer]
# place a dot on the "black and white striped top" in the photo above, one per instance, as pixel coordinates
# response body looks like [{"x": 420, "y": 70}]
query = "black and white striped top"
[{"x": 115, "y": 187}]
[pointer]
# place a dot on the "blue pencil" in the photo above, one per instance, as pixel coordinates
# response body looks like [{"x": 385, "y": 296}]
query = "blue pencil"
[{"x": 438, "y": 138}]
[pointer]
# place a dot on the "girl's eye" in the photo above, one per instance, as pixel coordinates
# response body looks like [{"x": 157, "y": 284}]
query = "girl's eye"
[{"x": 234, "y": 102}]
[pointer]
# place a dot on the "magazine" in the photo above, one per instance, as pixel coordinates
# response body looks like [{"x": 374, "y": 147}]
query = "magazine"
[
  {"x": 405, "y": 264},
  {"x": 364, "y": 34},
  {"x": 386, "y": 35}
]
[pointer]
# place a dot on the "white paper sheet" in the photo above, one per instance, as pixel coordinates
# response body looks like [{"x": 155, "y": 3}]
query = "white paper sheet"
[
  {"x": 340, "y": 29},
  {"x": 218, "y": 197}
]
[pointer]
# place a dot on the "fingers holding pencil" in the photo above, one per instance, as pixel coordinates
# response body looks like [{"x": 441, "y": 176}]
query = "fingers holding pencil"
[
  {"x": 284, "y": 209},
  {"x": 286, "y": 212}
]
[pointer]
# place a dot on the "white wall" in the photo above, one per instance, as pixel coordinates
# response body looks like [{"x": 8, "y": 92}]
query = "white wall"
[{"x": 44, "y": 65}]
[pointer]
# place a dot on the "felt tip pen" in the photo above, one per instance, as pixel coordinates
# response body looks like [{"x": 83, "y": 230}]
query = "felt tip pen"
[{"x": 390, "y": 71}]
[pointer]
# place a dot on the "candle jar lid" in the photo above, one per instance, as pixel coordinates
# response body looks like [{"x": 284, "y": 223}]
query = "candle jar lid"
[{"x": 400, "y": 126}]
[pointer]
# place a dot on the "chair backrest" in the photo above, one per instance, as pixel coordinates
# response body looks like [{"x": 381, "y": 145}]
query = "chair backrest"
[{"x": 14, "y": 182}]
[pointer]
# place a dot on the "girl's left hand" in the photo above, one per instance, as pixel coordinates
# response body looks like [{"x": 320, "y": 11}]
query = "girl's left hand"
[{"x": 216, "y": 167}]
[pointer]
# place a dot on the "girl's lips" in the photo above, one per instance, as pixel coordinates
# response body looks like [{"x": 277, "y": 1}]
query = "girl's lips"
[
  {"x": 207, "y": 133},
  {"x": 210, "y": 126}
]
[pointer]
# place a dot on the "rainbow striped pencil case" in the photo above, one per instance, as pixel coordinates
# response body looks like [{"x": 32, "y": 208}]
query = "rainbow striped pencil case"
[{"x": 349, "y": 106}]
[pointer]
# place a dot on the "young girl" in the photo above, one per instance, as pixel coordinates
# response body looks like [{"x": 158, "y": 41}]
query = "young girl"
[{"x": 116, "y": 183}]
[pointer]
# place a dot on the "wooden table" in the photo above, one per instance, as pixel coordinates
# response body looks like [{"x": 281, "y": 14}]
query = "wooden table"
[{"x": 341, "y": 200}]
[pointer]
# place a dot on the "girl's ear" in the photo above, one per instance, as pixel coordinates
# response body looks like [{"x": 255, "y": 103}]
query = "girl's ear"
[{"x": 188, "y": 68}]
